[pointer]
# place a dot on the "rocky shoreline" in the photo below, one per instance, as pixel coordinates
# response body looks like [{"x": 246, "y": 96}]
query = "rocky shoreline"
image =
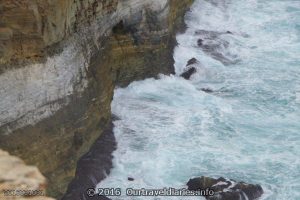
[{"x": 59, "y": 64}]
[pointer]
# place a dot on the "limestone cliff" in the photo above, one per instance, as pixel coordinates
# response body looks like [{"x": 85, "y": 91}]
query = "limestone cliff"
[
  {"x": 19, "y": 181},
  {"x": 60, "y": 61}
]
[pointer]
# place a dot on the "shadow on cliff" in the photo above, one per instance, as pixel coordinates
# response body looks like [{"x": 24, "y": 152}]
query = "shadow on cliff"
[{"x": 93, "y": 167}]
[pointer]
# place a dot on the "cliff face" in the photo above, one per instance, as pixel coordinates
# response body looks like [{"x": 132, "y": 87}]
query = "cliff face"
[
  {"x": 27, "y": 27},
  {"x": 60, "y": 61}
]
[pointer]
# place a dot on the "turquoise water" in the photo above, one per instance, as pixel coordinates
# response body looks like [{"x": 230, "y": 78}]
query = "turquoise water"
[{"x": 248, "y": 129}]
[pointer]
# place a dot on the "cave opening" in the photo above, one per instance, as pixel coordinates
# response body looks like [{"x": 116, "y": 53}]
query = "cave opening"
[{"x": 119, "y": 28}]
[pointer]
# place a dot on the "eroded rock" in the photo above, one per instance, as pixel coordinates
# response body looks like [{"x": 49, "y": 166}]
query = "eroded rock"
[
  {"x": 226, "y": 189},
  {"x": 188, "y": 73},
  {"x": 15, "y": 175},
  {"x": 192, "y": 61}
]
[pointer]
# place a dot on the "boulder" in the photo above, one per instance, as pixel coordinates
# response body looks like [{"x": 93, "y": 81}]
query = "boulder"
[
  {"x": 200, "y": 42},
  {"x": 188, "y": 73},
  {"x": 192, "y": 61},
  {"x": 226, "y": 189},
  {"x": 19, "y": 181}
]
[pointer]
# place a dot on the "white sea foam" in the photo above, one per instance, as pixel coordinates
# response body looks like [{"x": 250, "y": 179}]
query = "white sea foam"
[{"x": 248, "y": 129}]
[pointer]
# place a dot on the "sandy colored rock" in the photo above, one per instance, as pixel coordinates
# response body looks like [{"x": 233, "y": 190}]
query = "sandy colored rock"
[{"x": 16, "y": 175}]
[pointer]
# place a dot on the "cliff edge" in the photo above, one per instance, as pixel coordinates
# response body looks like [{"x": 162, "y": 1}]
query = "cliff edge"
[{"x": 60, "y": 61}]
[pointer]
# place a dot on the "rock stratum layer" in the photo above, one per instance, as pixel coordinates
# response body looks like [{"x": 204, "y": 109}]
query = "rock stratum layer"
[{"x": 60, "y": 61}]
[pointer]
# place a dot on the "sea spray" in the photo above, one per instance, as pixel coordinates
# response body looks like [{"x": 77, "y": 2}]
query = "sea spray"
[{"x": 247, "y": 129}]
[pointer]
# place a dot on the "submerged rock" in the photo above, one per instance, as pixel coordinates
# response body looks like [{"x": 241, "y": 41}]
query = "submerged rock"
[
  {"x": 226, "y": 189},
  {"x": 207, "y": 90},
  {"x": 217, "y": 50},
  {"x": 214, "y": 45},
  {"x": 188, "y": 73}
]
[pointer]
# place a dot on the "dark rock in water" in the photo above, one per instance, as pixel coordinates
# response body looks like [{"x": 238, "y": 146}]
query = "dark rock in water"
[
  {"x": 115, "y": 117},
  {"x": 207, "y": 90},
  {"x": 188, "y": 73},
  {"x": 130, "y": 179},
  {"x": 213, "y": 44},
  {"x": 226, "y": 189},
  {"x": 252, "y": 191},
  {"x": 200, "y": 183},
  {"x": 192, "y": 61},
  {"x": 200, "y": 42}
]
